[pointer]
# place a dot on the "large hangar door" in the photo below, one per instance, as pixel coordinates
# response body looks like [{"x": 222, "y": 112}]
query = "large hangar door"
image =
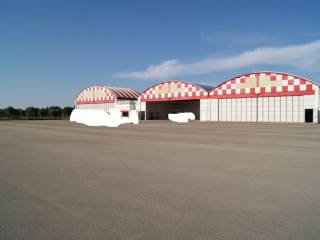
[
  {"x": 237, "y": 109},
  {"x": 262, "y": 109},
  {"x": 160, "y": 110}
]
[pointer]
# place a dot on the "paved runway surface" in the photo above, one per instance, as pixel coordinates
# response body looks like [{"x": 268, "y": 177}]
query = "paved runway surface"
[{"x": 159, "y": 180}]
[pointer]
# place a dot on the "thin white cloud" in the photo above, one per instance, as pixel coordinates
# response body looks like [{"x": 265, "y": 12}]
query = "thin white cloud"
[
  {"x": 238, "y": 38},
  {"x": 305, "y": 56},
  {"x": 234, "y": 37}
]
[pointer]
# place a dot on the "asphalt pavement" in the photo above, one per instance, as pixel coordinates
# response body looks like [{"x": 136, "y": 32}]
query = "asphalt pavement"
[{"x": 159, "y": 180}]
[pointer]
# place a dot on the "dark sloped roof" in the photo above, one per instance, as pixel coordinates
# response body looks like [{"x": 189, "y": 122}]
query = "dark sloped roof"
[
  {"x": 124, "y": 93},
  {"x": 205, "y": 87}
]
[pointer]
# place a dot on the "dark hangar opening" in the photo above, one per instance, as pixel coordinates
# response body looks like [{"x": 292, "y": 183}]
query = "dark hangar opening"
[{"x": 160, "y": 110}]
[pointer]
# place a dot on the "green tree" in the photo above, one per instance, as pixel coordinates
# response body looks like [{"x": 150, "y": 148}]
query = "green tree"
[
  {"x": 67, "y": 112},
  {"x": 11, "y": 113},
  {"x": 43, "y": 112},
  {"x": 21, "y": 113},
  {"x": 2, "y": 114},
  {"x": 54, "y": 112},
  {"x": 32, "y": 112}
]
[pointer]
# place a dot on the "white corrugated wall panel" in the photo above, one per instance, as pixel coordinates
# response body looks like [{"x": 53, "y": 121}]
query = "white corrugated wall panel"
[
  {"x": 283, "y": 111},
  {"x": 222, "y": 110},
  {"x": 234, "y": 109},
  {"x": 228, "y": 110},
  {"x": 277, "y": 109},
  {"x": 301, "y": 109},
  {"x": 249, "y": 109},
  {"x": 204, "y": 109},
  {"x": 260, "y": 109},
  {"x": 238, "y": 111},
  {"x": 225, "y": 109},
  {"x": 295, "y": 109},
  {"x": 265, "y": 112},
  {"x": 254, "y": 109},
  {"x": 214, "y": 109},
  {"x": 271, "y": 109},
  {"x": 289, "y": 109},
  {"x": 219, "y": 109},
  {"x": 309, "y": 101},
  {"x": 243, "y": 109}
]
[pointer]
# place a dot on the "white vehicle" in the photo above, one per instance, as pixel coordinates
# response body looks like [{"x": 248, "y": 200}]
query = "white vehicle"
[
  {"x": 181, "y": 117},
  {"x": 113, "y": 118}
]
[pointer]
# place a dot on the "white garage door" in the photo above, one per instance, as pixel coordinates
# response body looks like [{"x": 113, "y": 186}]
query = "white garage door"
[{"x": 262, "y": 109}]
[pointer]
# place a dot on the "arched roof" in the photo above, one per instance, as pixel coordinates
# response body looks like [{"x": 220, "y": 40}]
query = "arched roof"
[
  {"x": 173, "y": 90},
  {"x": 264, "y": 83},
  {"x": 105, "y": 94}
]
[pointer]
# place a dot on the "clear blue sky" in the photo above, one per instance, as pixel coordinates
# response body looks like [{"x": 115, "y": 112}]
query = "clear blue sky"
[{"x": 50, "y": 50}]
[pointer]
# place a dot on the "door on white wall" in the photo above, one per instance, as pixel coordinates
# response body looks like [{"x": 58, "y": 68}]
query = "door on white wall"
[{"x": 308, "y": 115}]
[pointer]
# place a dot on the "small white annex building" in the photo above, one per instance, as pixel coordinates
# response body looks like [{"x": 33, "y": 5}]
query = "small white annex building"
[{"x": 107, "y": 98}]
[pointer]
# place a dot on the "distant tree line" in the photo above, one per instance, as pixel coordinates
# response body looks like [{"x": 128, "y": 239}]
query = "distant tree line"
[{"x": 32, "y": 113}]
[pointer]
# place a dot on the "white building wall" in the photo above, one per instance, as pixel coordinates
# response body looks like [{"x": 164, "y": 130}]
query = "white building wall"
[
  {"x": 228, "y": 110},
  {"x": 318, "y": 105},
  {"x": 214, "y": 109},
  {"x": 233, "y": 109},
  {"x": 295, "y": 109},
  {"x": 316, "y": 116},
  {"x": 301, "y": 108},
  {"x": 204, "y": 109},
  {"x": 254, "y": 109},
  {"x": 289, "y": 109},
  {"x": 271, "y": 109},
  {"x": 126, "y": 105},
  {"x": 310, "y": 103},
  {"x": 283, "y": 109},
  {"x": 265, "y": 109},
  {"x": 277, "y": 109},
  {"x": 238, "y": 109},
  {"x": 243, "y": 109},
  {"x": 222, "y": 109},
  {"x": 142, "y": 106},
  {"x": 98, "y": 106},
  {"x": 260, "y": 109},
  {"x": 249, "y": 109}
]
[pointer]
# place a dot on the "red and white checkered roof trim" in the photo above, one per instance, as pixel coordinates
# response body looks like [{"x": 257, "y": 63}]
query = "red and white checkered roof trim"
[
  {"x": 104, "y": 94},
  {"x": 264, "y": 84},
  {"x": 173, "y": 90}
]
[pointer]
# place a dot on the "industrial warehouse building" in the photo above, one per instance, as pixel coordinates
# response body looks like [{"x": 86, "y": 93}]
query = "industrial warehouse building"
[
  {"x": 253, "y": 97},
  {"x": 106, "y": 98}
]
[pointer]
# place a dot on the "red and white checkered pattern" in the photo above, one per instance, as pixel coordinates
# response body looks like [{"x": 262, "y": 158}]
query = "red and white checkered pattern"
[
  {"x": 95, "y": 94},
  {"x": 264, "y": 84},
  {"x": 173, "y": 90}
]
